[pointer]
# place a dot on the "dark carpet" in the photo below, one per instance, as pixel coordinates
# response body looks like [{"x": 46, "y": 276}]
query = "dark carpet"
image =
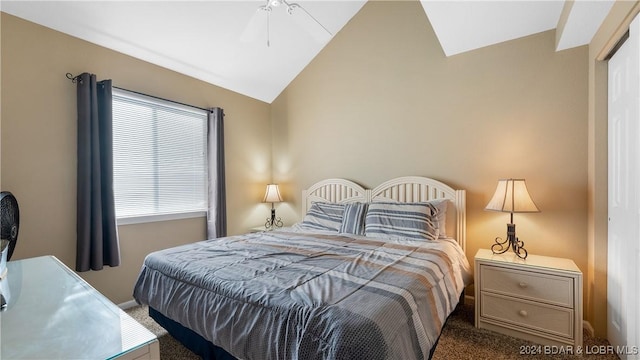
[{"x": 459, "y": 340}]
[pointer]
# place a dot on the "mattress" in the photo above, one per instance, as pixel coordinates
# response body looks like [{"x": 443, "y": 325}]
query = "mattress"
[{"x": 303, "y": 295}]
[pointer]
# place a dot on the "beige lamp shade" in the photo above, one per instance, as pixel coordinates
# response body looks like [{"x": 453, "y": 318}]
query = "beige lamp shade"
[
  {"x": 272, "y": 195},
  {"x": 512, "y": 196}
]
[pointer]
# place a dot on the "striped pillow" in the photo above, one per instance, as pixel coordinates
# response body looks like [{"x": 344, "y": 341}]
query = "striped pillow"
[
  {"x": 401, "y": 220},
  {"x": 323, "y": 216},
  {"x": 353, "y": 219}
]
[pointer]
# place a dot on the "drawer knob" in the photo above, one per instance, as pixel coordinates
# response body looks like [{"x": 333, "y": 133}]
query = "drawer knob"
[
  {"x": 523, "y": 284},
  {"x": 523, "y": 313}
]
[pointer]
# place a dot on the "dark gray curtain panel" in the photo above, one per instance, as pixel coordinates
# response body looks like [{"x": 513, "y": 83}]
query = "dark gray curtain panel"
[
  {"x": 217, "y": 214},
  {"x": 96, "y": 216}
]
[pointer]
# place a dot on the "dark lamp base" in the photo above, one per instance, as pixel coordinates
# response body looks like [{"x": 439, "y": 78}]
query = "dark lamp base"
[
  {"x": 511, "y": 242},
  {"x": 273, "y": 222}
]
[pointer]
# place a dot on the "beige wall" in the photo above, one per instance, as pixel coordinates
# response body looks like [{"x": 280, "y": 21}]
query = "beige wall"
[
  {"x": 614, "y": 25},
  {"x": 39, "y": 144},
  {"x": 381, "y": 100}
]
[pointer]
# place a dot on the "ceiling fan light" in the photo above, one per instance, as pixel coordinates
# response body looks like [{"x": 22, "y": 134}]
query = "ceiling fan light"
[{"x": 275, "y": 3}]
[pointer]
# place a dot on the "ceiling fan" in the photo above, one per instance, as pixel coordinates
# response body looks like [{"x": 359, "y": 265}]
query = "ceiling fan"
[{"x": 257, "y": 23}]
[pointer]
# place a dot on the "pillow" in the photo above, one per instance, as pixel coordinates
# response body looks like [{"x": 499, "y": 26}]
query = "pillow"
[
  {"x": 353, "y": 218},
  {"x": 401, "y": 220},
  {"x": 323, "y": 216},
  {"x": 441, "y": 216}
]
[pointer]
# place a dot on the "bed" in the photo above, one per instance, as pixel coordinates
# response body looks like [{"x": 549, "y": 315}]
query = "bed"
[{"x": 368, "y": 274}]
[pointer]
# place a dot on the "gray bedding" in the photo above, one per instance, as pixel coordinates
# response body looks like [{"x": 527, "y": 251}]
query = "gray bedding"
[{"x": 293, "y": 295}]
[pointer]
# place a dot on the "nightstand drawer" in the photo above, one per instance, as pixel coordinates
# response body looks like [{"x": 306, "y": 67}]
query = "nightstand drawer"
[
  {"x": 552, "y": 289},
  {"x": 544, "y": 318}
]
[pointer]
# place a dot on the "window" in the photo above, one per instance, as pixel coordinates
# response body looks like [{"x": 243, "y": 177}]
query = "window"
[{"x": 160, "y": 165}]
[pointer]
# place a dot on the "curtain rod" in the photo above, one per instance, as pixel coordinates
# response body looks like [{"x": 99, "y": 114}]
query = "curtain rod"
[{"x": 75, "y": 79}]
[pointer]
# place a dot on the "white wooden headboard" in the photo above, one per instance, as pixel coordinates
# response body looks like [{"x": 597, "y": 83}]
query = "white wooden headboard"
[{"x": 402, "y": 189}]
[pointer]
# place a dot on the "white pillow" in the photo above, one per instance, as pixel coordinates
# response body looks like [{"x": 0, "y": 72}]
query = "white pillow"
[{"x": 441, "y": 216}]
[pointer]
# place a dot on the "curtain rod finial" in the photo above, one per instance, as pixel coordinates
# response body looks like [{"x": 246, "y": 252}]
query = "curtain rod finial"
[{"x": 73, "y": 79}]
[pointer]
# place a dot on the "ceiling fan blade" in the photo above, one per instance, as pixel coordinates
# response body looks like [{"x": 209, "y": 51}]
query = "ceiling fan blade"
[
  {"x": 308, "y": 22},
  {"x": 257, "y": 25}
]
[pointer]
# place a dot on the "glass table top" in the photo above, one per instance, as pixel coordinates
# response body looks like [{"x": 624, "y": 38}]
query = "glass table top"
[{"x": 52, "y": 313}]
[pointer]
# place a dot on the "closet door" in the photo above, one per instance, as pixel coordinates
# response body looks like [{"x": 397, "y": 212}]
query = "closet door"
[{"x": 624, "y": 196}]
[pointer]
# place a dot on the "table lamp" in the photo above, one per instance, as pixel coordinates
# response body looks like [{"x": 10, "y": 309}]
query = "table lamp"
[
  {"x": 511, "y": 196},
  {"x": 272, "y": 195}
]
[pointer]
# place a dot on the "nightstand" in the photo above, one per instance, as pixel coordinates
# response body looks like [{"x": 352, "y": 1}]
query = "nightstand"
[
  {"x": 538, "y": 299},
  {"x": 258, "y": 229}
]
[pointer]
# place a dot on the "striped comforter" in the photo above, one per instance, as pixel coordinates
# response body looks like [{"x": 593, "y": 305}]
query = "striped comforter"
[{"x": 291, "y": 295}]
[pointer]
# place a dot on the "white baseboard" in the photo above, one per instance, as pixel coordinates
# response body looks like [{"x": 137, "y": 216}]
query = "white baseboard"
[
  {"x": 468, "y": 299},
  {"x": 587, "y": 326},
  {"x": 127, "y": 304}
]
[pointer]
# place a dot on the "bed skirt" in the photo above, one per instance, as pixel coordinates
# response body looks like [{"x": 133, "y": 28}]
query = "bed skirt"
[
  {"x": 190, "y": 339},
  {"x": 204, "y": 348}
]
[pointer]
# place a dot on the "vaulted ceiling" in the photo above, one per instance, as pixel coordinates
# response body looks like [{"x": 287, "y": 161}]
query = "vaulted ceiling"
[{"x": 234, "y": 45}]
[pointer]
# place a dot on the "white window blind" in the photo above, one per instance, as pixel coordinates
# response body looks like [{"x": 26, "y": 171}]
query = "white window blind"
[{"x": 160, "y": 165}]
